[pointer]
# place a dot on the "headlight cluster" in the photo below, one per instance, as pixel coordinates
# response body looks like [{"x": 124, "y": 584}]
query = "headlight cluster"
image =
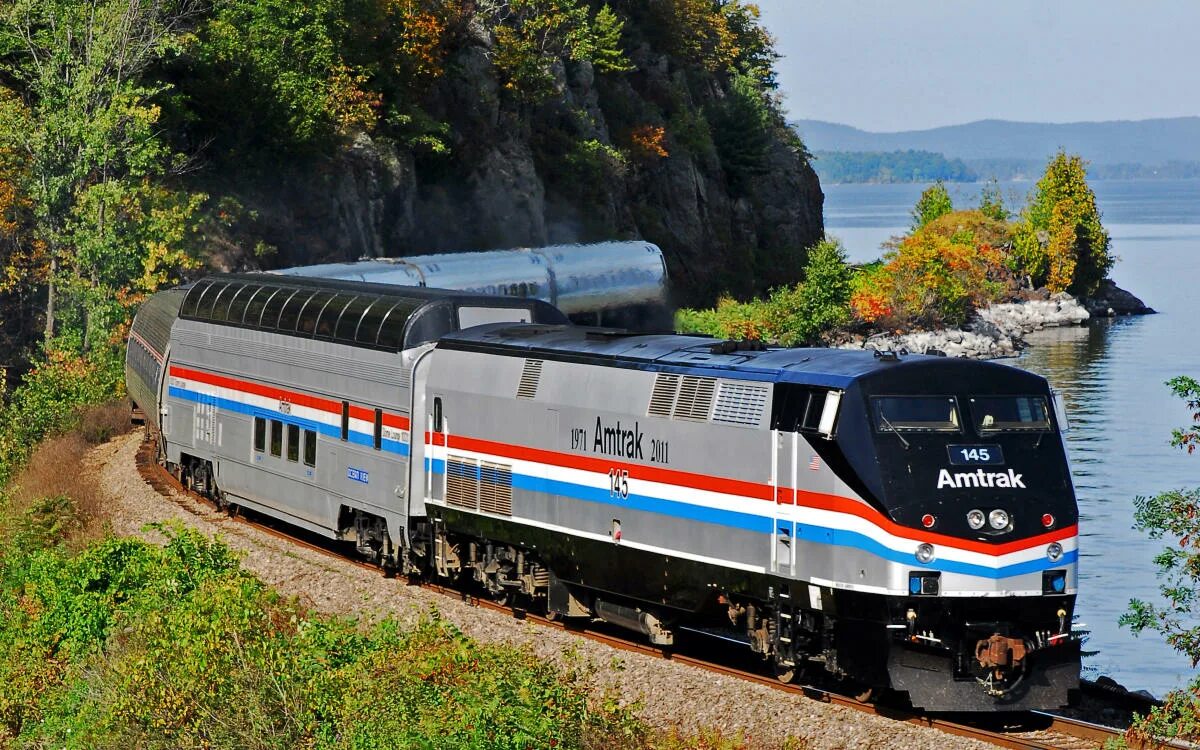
[{"x": 998, "y": 519}]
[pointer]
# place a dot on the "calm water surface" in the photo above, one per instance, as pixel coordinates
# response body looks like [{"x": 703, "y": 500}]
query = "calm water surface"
[{"x": 1112, "y": 373}]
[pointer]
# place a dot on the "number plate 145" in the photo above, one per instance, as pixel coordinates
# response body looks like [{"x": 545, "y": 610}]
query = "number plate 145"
[{"x": 976, "y": 455}]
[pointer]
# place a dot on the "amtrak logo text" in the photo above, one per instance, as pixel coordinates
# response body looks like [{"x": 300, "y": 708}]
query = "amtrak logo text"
[{"x": 979, "y": 478}]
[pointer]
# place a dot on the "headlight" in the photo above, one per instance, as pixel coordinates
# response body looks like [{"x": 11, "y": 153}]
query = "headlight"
[
  {"x": 1054, "y": 551},
  {"x": 998, "y": 519},
  {"x": 925, "y": 553},
  {"x": 975, "y": 519}
]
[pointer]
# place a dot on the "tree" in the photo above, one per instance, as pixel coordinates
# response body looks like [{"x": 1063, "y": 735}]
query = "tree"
[
  {"x": 1060, "y": 241},
  {"x": 822, "y": 302},
  {"x": 934, "y": 203},
  {"x": 991, "y": 201},
  {"x": 742, "y": 128},
  {"x": 1174, "y": 515},
  {"x": 84, "y": 118}
]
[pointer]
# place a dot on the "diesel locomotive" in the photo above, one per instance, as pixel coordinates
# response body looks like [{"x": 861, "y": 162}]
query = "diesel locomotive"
[{"x": 906, "y": 521}]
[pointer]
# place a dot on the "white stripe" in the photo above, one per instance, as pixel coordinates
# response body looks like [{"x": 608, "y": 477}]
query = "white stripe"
[{"x": 828, "y": 519}]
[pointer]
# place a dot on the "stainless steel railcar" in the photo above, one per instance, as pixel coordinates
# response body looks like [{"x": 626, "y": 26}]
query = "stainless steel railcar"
[{"x": 907, "y": 521}]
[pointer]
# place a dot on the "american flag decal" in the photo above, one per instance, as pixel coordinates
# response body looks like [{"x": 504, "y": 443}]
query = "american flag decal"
[{"x": 815, "y": 463}]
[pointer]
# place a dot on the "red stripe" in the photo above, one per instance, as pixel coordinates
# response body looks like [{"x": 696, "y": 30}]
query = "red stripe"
[
  {"x": 753, "y": 490},
  {"x": 292, "y": 397}
]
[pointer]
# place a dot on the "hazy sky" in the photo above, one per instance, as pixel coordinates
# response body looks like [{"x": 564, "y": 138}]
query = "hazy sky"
[{"x": 897, "y": 65}]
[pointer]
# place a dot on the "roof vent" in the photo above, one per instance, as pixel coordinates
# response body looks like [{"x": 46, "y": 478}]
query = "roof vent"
[
  {"x": 531, "y": 375},
  {"x": 741, "y": 403}
]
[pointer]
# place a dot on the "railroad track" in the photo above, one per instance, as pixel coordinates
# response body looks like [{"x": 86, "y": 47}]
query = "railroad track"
[{"x": 1033, "y": 730}]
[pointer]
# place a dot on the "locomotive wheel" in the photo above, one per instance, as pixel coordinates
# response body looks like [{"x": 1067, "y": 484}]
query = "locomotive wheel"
[{"x": 785, "y": 673}]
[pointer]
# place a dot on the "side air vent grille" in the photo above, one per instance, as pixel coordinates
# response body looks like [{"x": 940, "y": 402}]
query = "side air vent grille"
[
  {"x": 662, "y": 399},
  {"x": 695, "y": 398},
  {"x": 462, "y": 483},
  {"x": 479, "y": 485},
  {"x": 531, "y": 375},
  {"x": 495, "y": 488},
  {"x": 741, "y": 403}
]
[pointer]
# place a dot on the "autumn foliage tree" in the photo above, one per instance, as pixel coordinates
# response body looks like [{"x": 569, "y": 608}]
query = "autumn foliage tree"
[
  {"x": 1060, "y": 242},
  {"x": 937, "y": 276}
]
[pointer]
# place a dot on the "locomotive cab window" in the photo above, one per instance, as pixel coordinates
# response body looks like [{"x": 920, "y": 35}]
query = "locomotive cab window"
[
  {"x": 260, "y": 434},
  {"x": 1010, "y": 414},
  {"x": 802, "y": 408},
  {"x": 916, "y": 414}
]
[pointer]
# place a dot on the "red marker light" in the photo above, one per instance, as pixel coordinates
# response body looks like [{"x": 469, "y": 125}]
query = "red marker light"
[
  {"x": 1047, "y": 520},
  {"x": 928, "y": 521}
]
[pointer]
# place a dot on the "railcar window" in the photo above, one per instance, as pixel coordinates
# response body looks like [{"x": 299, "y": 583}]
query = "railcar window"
[
  {"x": 291, "y": 312},
  {"x": 378, "y": 429},
  {"x": 1010, "y": 413},
  {"x": 298, "y": 306},
  {"x": 237, "y": 305},
  {"x": 345, "y": 420},
  {"x": 368, "y": 327},
  {"x": 192, "y": 301},
  {"x": 916, "y": 414},
  {"x": 255, "y": 305},
  {"x": 270, "y": 313},
  {"x": 329, "y": 315},
  {"x": 293, "y": 442},
  {"x": 276, "y": 438},
  {"x": 260, "y": 434},
  {"x": 391, "y": 331},
  {"x": 347, "y": 324},
  {"x": 306, "y": 320},
  {"x": 310, "y": 448},
  {"x": 205, "y": 308}
]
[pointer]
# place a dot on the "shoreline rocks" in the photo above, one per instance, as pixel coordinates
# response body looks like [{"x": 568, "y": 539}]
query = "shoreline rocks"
[{"x": 998, "y": 331}]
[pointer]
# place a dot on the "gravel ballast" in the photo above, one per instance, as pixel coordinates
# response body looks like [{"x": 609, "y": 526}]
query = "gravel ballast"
[{"x": 668, "y": 694}]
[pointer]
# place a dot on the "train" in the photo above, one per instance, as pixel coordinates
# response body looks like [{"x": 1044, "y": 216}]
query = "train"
[
  {"x": 602, "y": 283},
  {"x": 906, "y": 522}
]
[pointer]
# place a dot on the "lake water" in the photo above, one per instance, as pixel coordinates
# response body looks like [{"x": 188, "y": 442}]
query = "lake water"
[{"x": 1112, "y": 373}]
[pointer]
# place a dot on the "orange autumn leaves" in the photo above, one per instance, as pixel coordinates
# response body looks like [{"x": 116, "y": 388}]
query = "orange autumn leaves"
[{"x": 937, "y": 275}]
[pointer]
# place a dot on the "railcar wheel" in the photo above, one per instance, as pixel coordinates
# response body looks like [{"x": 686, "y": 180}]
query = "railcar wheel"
[{"x": 786, "y": 672}]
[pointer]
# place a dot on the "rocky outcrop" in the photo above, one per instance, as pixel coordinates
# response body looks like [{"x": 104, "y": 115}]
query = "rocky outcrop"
[
  {"x": 518, "y": 174},
  {"x": 993, "y": 332},
  {"x": 1111, "y": 300}
]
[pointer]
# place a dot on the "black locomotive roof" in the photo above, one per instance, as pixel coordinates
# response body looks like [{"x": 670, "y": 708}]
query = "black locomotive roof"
[
  {"x": 357, "y": 313},
  {"x": 835, "y": 368}
]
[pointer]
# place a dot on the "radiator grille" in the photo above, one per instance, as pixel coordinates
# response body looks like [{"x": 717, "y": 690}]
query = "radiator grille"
[
  {"x": 695, "y": 398},
  {"x": 462, "y": 483},
  {"x": 741, "y": 403},
  {"x": 662, "y": 399},
  {"x": 495, "y": 488},
  {"x": 479, "y": 485},
  {"x": 531, "y": 376}
]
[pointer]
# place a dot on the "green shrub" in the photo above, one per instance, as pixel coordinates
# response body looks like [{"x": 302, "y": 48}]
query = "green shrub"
[{"x": 791, "y": 315}]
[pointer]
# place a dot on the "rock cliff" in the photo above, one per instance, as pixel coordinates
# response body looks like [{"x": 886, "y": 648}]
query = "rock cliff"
[{"x": 563, "y": 169}]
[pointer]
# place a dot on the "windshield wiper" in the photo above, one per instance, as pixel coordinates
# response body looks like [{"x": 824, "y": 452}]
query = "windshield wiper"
[{"x": 887, "y": 423}]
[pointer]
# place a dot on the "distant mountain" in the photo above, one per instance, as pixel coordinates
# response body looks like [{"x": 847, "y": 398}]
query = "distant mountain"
[{"x": 1148, "y": 142}]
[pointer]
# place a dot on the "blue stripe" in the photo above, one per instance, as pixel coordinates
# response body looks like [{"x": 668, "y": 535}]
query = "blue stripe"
[
  {"x": 762, "y": 525},
  {"x": 358, "y": 438}
]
